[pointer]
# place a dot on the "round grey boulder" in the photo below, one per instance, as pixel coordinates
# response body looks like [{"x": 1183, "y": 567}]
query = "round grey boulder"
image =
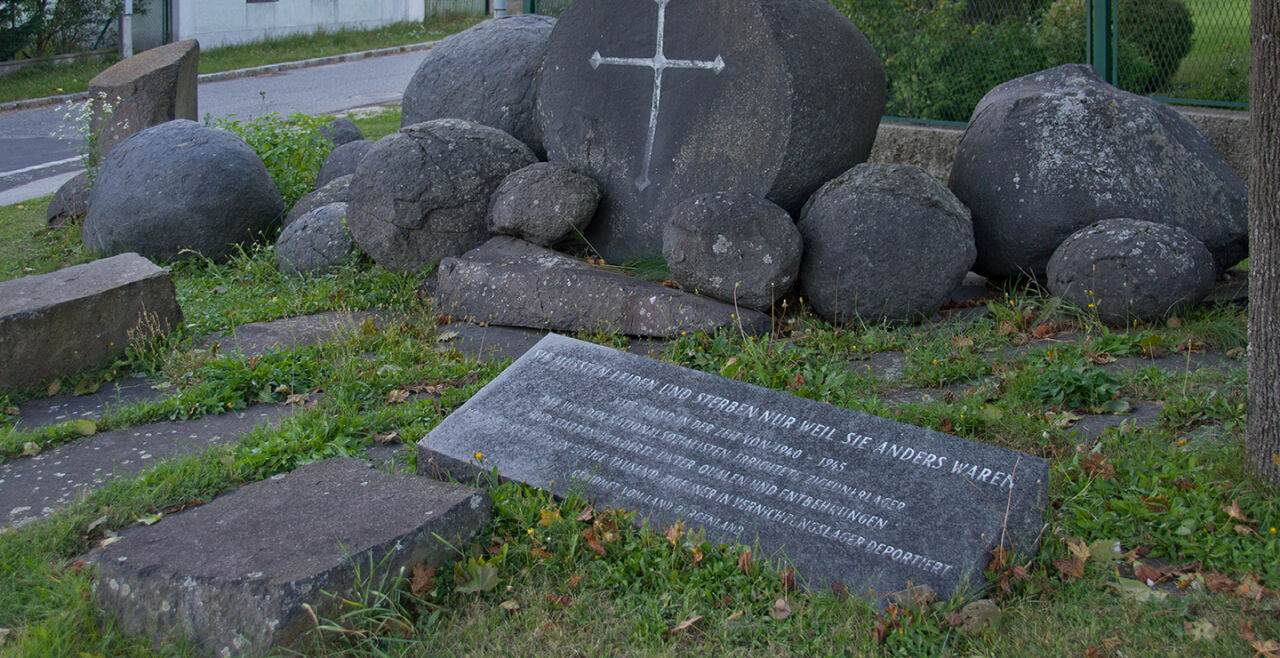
[
  {"x": 316, "y": 242},
  {"x": 543, "y": 203},
  {"x": 342, "y": 161},
  {"x": 1052, "y": 152},
  {"x": 423, "y": 193},
  {"x": 180, "y": 187},
  {"x": 342, "y": 131},
  {"x": 70, "y": 203},
  {"x": 883, "y": 242},
  {"x": 335, "y": 191},
  {"x": 483, "y": 74},
  {"x": 1130, "y": 270},
  {"x": 734, "y": 247}
]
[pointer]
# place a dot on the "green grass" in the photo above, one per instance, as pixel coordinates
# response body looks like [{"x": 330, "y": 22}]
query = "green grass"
[
  {"x": 1217, "y": 68},
  {"x": 28, "y": 246},
  {"x": 56, "y": 79},
  {"x": 1173, "y": 493}
]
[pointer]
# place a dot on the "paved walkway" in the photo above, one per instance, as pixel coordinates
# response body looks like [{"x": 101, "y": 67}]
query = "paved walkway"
[{"x": 33, "y": 163}]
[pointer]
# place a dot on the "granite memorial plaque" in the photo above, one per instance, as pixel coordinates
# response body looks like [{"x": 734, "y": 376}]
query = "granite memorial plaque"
[{"x": 843, "y": 496}]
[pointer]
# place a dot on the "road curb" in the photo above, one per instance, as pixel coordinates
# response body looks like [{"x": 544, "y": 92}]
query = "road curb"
[{"x": 266, "y": 69}]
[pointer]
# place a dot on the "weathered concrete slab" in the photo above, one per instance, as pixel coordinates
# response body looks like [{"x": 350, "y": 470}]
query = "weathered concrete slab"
[
  {"x": 493, "y": 343},
  {"x": 257, "y": 338},
  {"x": 510, "y": 282},
  {"x": 233, "y": 575},
  {"x": 844, "y": 496},
  {"x": 59, "y": 409},
  {"x": 32, "y": 488},
  {"x": 80, "y": 317},
  {"x": 152, "y": 87}
]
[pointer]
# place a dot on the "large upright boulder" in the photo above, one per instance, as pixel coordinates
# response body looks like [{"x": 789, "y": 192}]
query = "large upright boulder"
[
  {"x": 662, "y": 100},
  {"x": 483, "y": 74},
  {"x": 1052, "y": 152},
  {"x": 883, "y": 242},
  {"x": 423, "y": 193},
  {"x": 178, "y": 188},
  {"x": 150, "y": 88}
]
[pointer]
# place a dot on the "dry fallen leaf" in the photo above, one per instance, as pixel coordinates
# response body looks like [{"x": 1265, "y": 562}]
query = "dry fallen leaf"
[
  {"x": 575, "y": 580},
  {"x": 510, "y": 605},
  {"x": 549, "y": 516},
  {"x": 1079, "y": 549},
  {"x": 558, "y": 599},
  {"x": 1200, "y": 630},
  {"x": 744, "y": 561},
  {"x": 788, "y": 580},
  {"x": 962, "y": 342},
  {"x": 1147, "y": 573},
  {"x": 688, "y": 623},
  {"x": 538, "y": 551},
  {"x": 1044, "y": 329},
  {"x": 587, "y": 515},
  {"x": 397, "y": 396},
  {"x": 592, "y": 541},
  {"x": 1096, "y": 465},
  {"x": 1073, "y": 567},
  {"x": 1251, "y": 588},
  {"x": 1243, "y": 530},
  {"x": 675, "y": 531},
  {"x": 1268, "y": 649},
  {"x": 386, "y": 439},
  {"x": 1233, "y": 511},
  {"x": 781, "y": 609},
  {"x": 297, "y": 398},
  {"x": 423, "y": 579},
  {"x": 1218, "y": 583}
]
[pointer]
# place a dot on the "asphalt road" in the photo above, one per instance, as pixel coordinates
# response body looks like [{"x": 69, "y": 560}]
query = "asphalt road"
[{"x": 33, "y": 162}]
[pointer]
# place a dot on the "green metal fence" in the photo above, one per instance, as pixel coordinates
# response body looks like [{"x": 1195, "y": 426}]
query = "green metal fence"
[{"x": 942, "y": 56}]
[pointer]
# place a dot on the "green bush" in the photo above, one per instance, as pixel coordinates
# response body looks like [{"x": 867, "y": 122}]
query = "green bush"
[
  {"x": 1153, "y": 36},
  {"x": 292, "y": 148},
  {"x": 992, "y": 11},
  {"x": 939, "y": 65}
]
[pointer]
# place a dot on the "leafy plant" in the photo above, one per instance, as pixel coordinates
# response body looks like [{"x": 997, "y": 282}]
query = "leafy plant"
[
  {"x": 293, "y": 148},
  {"x": 1076, "y": 387},
  {"x": 78, "y": 128}
]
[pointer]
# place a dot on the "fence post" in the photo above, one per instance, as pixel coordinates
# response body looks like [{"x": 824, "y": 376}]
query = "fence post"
[
  {"x": 1102, "y": 39},
  {"x": 530, "y": 6}
]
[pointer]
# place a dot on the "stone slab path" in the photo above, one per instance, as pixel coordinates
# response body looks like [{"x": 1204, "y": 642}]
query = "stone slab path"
[
  {"x": 32, "y": 488},
  {"x": 235, "y": 576},
  {"x": 60, "y": 409}
]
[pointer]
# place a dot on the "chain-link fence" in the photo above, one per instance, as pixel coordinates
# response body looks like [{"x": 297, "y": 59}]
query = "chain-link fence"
[
  {"x": 942, "y": 56},
  {"x": 475, "y": 7}
]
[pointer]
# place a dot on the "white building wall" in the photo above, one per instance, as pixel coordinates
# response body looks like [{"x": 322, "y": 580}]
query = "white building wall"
[{"x": 223, "y": 22}]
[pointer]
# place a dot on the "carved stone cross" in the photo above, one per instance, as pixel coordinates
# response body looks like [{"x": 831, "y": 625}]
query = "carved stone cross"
[{"x": 658, "y": 63}]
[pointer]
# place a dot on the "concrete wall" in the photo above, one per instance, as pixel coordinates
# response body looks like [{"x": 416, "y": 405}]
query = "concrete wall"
[
  {"x": 933, "y": 148},
  {"x": 223, "y": 22}
]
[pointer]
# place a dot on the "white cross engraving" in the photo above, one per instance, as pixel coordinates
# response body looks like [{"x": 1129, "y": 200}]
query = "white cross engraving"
[{"x": 658, "y": 63}]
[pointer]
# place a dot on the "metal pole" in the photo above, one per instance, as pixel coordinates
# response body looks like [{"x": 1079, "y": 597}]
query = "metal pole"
[
  {"x": 1102, "y": 42},
  {"x": 499, "y": 8},
  {"x": 126, "y": 30}
]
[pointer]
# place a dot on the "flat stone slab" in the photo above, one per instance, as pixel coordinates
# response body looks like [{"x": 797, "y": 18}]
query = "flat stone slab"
[
  {"x": 233, "y": 576},
  {"x": 32, "y": 488},
  {"x": 59, "y": 409},
  {"x": 841, "y": 495},
  {"x": 80, "y": 317},
  {"x": 510, "y": 282},
  {"x": 493, "y": 343},
  {"x": 257, "y": 338}
]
